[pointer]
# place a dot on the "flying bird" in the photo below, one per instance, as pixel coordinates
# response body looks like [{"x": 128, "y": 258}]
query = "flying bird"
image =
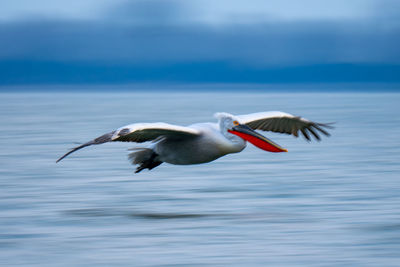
[{"x": 205, "y": 142}]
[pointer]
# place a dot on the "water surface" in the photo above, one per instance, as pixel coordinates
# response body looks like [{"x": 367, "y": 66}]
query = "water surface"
[{"x": 329, "y": 203}]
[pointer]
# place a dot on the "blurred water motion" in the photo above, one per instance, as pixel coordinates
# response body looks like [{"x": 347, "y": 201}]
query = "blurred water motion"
[{"x": 331, "y": 203}]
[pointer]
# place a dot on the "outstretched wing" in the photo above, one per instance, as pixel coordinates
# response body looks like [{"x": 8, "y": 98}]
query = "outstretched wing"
[
  {"x": 139, "y": 133},
  {"x": 281, "y": 122}
]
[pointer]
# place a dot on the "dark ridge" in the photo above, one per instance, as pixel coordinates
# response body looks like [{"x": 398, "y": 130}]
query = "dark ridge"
[{"x": 15, "y": 72}]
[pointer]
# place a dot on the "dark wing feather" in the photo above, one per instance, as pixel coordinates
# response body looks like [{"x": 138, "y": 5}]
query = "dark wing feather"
[
  {"x": 99, "y": 140},
  {"x": 146, "y": 135},
  {"x": 281, "y": 122}
]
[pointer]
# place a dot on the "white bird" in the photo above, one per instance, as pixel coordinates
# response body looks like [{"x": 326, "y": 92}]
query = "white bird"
[{"x": 205, "y": 142}]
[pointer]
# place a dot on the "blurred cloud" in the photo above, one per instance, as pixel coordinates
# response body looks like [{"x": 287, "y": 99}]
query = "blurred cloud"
[
  {"x": 262, "y": 44},
  {"x": 150, "y": 12},
  {"x": 259, "y": 11},
  {"x": 15, "y": 10},
  {"x": 155, "y": 32},
  {"x": 201, "y": 11}
]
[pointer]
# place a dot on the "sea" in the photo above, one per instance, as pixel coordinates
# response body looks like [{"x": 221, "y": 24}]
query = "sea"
[{"x": 330, "y": 203}]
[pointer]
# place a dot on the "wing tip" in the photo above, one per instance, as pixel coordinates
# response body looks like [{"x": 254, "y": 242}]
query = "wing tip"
[
  {"x": 73, "y": 150},
  {"x": 108, "y": 137},
  {"x": 63, "y": 156},
  {"x": 328, "y": 125}
]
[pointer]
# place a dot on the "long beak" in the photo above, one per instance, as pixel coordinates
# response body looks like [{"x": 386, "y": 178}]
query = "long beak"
[{"x": 256, "y": 139}]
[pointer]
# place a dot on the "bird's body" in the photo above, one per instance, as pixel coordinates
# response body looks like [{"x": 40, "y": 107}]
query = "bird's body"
[
  {"x": 209, "y": 145},
  {"x": 205, "y": 142}
]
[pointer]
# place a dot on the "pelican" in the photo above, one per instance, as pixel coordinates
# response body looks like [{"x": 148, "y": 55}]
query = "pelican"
[{"x": 205, "y": 142}]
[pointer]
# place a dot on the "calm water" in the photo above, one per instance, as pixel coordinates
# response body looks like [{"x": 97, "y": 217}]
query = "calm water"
[{"x": 333, "y": 203}]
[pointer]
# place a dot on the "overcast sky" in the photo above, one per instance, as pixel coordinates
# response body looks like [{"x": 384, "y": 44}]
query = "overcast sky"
[{"x": 256, "y": 33}]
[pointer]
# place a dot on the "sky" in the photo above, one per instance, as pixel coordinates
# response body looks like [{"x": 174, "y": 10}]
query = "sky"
[{"x": 258, "y": 41}]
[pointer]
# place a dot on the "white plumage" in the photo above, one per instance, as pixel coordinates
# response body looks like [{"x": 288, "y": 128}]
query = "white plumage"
[{"x": 205, "y": 142}]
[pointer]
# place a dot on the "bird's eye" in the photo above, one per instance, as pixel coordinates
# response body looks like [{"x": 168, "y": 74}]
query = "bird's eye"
[{"x": 236, "y": 123}]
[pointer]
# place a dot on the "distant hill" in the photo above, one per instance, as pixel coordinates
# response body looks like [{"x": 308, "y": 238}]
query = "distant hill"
[{"x": 46, "y": 72}]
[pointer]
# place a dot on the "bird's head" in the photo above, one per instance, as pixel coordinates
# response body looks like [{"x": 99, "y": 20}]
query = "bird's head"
[
  {"x": 226, "y": 121},
  {"x": 231, "y": 127}
]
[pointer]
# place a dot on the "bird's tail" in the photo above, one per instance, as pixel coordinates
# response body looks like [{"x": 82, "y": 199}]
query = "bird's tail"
[{"x": 145, "y": 157}]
